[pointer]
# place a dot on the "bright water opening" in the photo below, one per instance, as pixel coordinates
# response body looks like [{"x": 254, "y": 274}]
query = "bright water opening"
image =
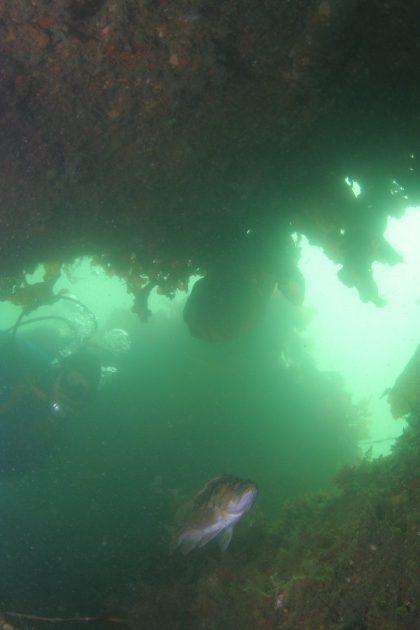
[
  {"x": 95, "y": 288},
  {"x": 369, "y": 346}
]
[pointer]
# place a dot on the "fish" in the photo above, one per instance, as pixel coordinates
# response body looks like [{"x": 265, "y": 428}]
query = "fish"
[{"x": 215, "y": 511}]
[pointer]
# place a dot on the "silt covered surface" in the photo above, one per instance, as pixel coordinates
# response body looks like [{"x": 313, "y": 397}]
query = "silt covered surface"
[{"x": 168, "y": 130}]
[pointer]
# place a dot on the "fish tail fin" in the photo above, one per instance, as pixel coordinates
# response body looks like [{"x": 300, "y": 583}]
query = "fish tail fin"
[{"x": 172, "y": 531}]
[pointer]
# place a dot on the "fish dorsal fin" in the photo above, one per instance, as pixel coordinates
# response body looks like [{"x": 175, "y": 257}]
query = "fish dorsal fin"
[
  {"x": 205, "y": 495},
  {"x": 224, "y": 538},
  {"x": 182, "y": 512}
]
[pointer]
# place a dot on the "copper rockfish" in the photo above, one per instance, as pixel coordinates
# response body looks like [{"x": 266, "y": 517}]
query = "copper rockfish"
[{"x": 214, "y": 512}]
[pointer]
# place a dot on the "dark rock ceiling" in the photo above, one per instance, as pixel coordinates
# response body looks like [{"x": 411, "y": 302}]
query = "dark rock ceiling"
[{"x": 199, "y": 133}]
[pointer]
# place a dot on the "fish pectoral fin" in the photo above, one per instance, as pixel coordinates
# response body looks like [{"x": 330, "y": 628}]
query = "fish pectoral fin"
[
  {"x": 200, "y": 519},
  {"x": 207, "y": 538},
  {"x": 224, "y": 538}
]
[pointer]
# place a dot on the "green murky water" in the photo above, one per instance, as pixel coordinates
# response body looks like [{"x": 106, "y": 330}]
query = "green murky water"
[{"x": 76, "y": 530}]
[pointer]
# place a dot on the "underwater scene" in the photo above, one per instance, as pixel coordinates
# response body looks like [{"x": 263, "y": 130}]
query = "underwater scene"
[
  {"x": 126, "y": 447},
  {"x": 209, "y": 315}
]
